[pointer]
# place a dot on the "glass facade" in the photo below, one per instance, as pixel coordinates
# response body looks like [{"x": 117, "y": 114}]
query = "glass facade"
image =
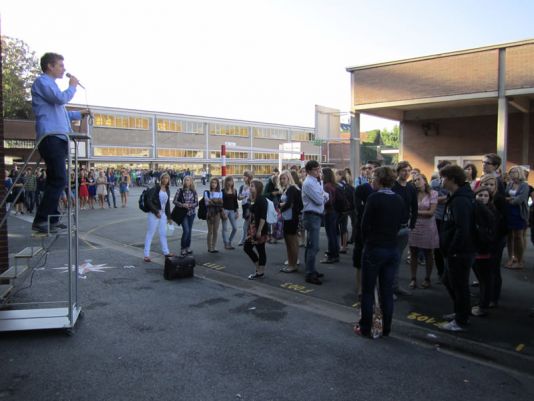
[
  {"x": 182, "y": 126},
  {"x": 271, "y": 133},
  {"x": 216, "y": 154},
  {"x": 181, "y": 153},
  {"x": 300, "y": 136},
  {"x": 118, "y": 121},
  {"x": 229, "y": 130},
  {"x": 101, "y": 151},
  {"x": 19, "y": 144}
]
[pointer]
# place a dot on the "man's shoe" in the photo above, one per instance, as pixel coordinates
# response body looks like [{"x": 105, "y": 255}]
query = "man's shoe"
[
  {"x": 313, "y": 280},
  {"x": 478, "y": 311},
  {"x": 402, "y": 292},
  {"x": 59, "y": 226},
  {"x": 451, "y": 326},
  {"x": 319, "y": 275},
  {"x": 44, "y": 228},
  {"x": 329, "y": 260},
  {"x": 449, "y": 317}
]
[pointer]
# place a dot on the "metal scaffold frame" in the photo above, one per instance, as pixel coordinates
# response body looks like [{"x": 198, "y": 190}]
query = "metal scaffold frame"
[{"x": 58, "y": 314}]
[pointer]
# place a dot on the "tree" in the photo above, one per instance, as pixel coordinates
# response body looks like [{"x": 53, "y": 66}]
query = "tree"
[
  {"x": 20, "y": 67},
  {"x": 391, "y": 139}
]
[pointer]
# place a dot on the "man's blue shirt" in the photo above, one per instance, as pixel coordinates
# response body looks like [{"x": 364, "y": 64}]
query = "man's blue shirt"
[{"x": 48, "y": 103}]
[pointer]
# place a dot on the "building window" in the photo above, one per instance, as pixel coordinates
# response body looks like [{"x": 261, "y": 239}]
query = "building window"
[
  {"x": 270, "y": 133},
  {"x": 121, "y": 152},
  {"x": 302, "y": 136},
  {"x": 216, "y": 154},
  {"x": 181, "y": 153},
  {"x": 228, "y": 130},
  {"x": 19, "y": 144},
  {"x": 117, "y": 121},
  {"x": 265, "y": 156},
  {"x": 311, "y": 157},
  {"x": 185, "y": 127}
]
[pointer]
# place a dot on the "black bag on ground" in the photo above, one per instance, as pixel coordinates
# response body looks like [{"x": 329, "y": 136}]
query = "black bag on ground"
[{"x": 177, "y": 267}]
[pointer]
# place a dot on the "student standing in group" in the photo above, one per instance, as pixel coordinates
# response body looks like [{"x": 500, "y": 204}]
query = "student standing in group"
[
  {"x": 290, "y": 206},
  {"x": 457, "y": 245},
  {"x": 230, "y": 212},
  {"x": 330, "y": 217},
  {"x": 484, "y": 260},
  {"x": 214, "y": 202},
  {"x": 380, "y": 224},
  {"x": 112, "y": 181},
  {"x": 425, "y": 234},
  {"x": 491, "y": 166},
  {"x": 517, "y": 194},
  {"x": 343, "y": 183},
  {"x": 30, "y": 189},
  {"x": 91, "y": 186},
  {"x": 408, "y": 193},
  {"x": 471, "y": 173},
  {"x": 302, "y": 232},
  {"x": 443, "y": 194},
  {"x": 244, "y": 197},
  {"x": 101, "y": 188},
  {"x": 187, "y": 198},
  {"x": 272, "y": 192},
  {"x": 124, "y": 187},
  {"x": 257, "y": 230},
  {"x": 313, "y": 198},
  {"x": 159, "y": 216}
]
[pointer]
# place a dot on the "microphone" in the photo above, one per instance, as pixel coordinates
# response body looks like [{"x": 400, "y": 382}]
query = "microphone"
[{"x": 68, "y": 74}]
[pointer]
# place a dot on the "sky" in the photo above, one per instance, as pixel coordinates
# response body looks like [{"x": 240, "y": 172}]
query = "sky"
[{"x": 257, "y": 60}]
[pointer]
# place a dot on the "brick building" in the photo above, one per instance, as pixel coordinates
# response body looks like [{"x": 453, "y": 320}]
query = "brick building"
[{"x": 455, "y": 106}]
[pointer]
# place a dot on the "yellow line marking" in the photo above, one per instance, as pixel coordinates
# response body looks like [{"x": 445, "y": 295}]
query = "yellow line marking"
[{"x": 520, "y": 347}]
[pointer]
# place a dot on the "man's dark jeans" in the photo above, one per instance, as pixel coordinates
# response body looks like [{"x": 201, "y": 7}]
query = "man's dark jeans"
[
  {"x": 456, "y": 279},
  {"x": 378, "y": 263},
  {"x": 54, "y": 152}
]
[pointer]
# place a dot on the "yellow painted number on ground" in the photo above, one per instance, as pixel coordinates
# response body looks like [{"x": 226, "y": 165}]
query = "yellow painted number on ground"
[{"x": 296, "y": 287}]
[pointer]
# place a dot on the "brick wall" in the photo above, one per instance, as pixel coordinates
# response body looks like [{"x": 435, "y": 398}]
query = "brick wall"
[
  {"x": 520, "y": 67},
  {"x": 443, "y": 76}
]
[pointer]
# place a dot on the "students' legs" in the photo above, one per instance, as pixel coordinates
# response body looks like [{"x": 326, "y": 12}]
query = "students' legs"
[
  {"x": 163, "y": 234},
  {"x": 152, "y": 225}
]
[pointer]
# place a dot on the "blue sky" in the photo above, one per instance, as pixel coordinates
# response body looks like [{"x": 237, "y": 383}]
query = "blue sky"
[{"x": 255, "y": 60}]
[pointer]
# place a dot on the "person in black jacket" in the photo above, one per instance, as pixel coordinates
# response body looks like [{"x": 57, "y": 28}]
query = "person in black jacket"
[
  {"x": 159, "y": 215},
  {"x": 457, "y": 244},
  {"x": 257, "y": 229},
  {"x": 290, "y": 207},
  {"x": 380, "y": 224}
]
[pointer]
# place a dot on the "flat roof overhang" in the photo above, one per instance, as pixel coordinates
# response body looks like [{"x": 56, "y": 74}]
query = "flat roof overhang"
[{"x": 472, "y": 104}]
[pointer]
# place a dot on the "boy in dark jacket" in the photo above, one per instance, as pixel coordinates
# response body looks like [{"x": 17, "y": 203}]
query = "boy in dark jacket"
[{"x": 457, "y": 244}]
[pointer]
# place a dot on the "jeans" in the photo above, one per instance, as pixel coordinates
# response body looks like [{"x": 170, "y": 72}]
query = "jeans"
[
  {"x": 381, "y": 263},
  {"x": 402, "y": 242},
  {"x": 156, "y": 224},
  {"x": 231, "y": 217},
  {"x": 496, "y": 279},
  {"x": 312, "y": 225},
  {"x": 111, "y": 191},
  {"x": 187, "y": 227},
  {"x": 29, "y": 199},
  {"x": 54, "y": 152},
  {"x": 330, "y": 226},
  {"x": 456, "y": 279},
  {"x": 213, "y": 227},
  {"x": 483, "y": 271}
]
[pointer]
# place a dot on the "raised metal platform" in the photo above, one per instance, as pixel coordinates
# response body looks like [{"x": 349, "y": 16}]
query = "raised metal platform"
[{"x": 38, "y": 319}]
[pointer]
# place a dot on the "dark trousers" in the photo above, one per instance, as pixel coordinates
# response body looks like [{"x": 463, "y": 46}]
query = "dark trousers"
[
  {"x": 456, "y": 279},
  {"x": 54, "y": 152},
  {"x": 378, "y": 263},
  {"x": 111, "y": 191},
  {"x": 330, "y": 226},
  {"x": 187, "y": 227},
  {"x": 260, "y": 257},
  {"x": 29, "y": 199},
  {"x": 496, "y": 279},
  {"x": 438, "y": 256},
  {"x": 484, "y": 271}
]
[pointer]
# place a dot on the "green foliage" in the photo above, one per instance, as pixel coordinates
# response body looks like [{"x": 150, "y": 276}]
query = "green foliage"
[
  {"x": 391, "y": 139},
  {"x": 20, "y": 67}
]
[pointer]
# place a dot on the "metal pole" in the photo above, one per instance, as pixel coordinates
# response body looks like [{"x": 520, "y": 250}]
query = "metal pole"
[
  {"x": 502, "y": 112},
  {"x": 355, "y": 145},
  {"x": 76, "y": 224},
  {"x": 69, "y": 229},
  {"x": 223, "y": 161}
]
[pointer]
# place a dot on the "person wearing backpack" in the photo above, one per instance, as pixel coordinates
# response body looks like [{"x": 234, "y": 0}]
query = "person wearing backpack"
[
  {"x": 486, "y": 221},
  {"x": 457, "y": 243},
  {"x": 214, "y": 201},
  {"x": 243, "y": 196},
  {"x": 331, "y": 212},
  {"x": 159, "y": 215},
  {"x": 290, "y": 206},
  {"x": 257, "y": 230}
]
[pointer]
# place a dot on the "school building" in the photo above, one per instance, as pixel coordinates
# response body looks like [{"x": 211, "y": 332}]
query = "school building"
[
  {"x": 150, "y": 140},
  {"x": 456, "y": 106}
]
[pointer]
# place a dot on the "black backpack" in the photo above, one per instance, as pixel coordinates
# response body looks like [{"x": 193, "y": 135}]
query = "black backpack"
[
  {"x": 350, "y": 195},
  {"x": 341, "y": 203},
  {"x": 143, "y": 200},
  {"x": 485, "y": 227}
]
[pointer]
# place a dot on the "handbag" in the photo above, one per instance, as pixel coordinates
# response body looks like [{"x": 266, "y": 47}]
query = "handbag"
[
  {"x": 178, "y": 214},
  {"x": 202, "y": 211},
  {"x": 169, "y": 230}
]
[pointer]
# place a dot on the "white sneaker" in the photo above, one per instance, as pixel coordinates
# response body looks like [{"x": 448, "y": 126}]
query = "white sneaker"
[
  {"x": 286, "y": 263},
  {"x": 451, "y": 326}
]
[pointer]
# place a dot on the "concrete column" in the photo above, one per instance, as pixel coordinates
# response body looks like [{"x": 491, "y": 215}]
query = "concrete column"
[
  {"x": 355, "y": 144},
  {"x": 502, "y": 112}
]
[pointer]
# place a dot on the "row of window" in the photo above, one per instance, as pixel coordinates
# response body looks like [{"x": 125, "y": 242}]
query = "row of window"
[
  {"x": 195, "y": 127},
  {"x": 19, "y": 144},
  {"x": 101, "y": 151}
]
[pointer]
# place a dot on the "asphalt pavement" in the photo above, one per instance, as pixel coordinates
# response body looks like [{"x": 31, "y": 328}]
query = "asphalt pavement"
[{"x": 222, "y": 337}]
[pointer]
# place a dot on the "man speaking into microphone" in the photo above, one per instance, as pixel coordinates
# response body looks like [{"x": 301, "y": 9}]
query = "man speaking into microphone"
[{"x": 51, "y": 117}]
